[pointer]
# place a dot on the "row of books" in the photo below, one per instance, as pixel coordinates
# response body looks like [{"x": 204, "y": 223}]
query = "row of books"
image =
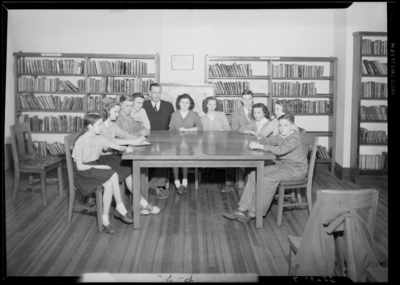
[
  {"x": 377, "y": 47},
  {"x": 61, "y": 123},
  {"x": 233, "y": 70},
  {"x": 367, "y": 136},
  {"x": 228, "y": 106},
  {"x": 54, "y": 66},
  {"x": 297, "y": 70},
  {"x": 133, "y": 67},
  {"x": 43, "y": 84},
  {"x": 322, "y": 152},
  {"x": 298, "y": 106},
  {"x": 34, "y": 102},
  {"x": 42, "y": 148},
  {"x": 112, "y": 85},
  {"x": 372, "y": 161},
  {"x": 94, "y": 102},
  {"x": 373, "y": 67},
  {"x": 294, "y": 88},
  {"x": 374, "y": 90},
  {"x": 230, "y": 88},
  {"x": 373, "y": 113}
]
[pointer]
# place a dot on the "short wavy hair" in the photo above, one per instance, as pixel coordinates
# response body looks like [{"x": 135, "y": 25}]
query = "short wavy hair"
[
  {"x": 285, "y": 106},
  {"x": 247, "y": 92},
  {"x": 288, "y": 117},
  {"x": 106, "y": 109},
  {"x": 137, "y": 95},
  {"x": 125, "y": 97},
  {"x": 263, "y": 107},
  {"x": 155, "y": 85},
  {"x": 184, "y": 96},
  {"x": 205, "y": 102}
]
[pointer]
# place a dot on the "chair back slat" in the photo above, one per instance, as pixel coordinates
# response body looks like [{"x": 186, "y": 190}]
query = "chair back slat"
[
  {"x": 356, "y": 200},
  {"x": 68, "y": 145},
  {"x": 21, "y": 141}
]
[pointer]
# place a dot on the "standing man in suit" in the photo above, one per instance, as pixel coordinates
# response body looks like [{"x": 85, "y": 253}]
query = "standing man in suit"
[
  {"x": 159, "y": 113},
  {"x": 241, "y": 117}
]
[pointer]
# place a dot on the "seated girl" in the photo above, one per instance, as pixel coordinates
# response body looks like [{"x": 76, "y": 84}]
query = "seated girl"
[
  {"x": 184, "y": 120},
  {"x": 260, "y": 114},
  {"x": 213, "y": 120},
  {"x": 93, "y": 170},
  {"x": 292, "y": 165},
  {"x": 123, "y": 167}
]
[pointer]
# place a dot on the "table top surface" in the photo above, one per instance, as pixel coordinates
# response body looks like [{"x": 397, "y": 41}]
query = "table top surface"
[{"x": 202, "y": 145}]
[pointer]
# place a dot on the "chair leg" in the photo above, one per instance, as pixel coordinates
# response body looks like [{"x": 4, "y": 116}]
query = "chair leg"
[
  {"x": 60, "y": 180},
  {"x": 71, "y": 205},
  {"x": 280, "y": 204},
  {"x": 30, "y": 179},
  {"x": 99, "y": 206},
  {"x": 309, "y": 202},
  {"x": 298, "y": 195},
  {"x": 199, "y": 180},
  {"x": 196, "y": 178},
  {"x": 293, "y": 194},
  {"x": 44, "y": 193},
  {"x": 16, "y": 185},
  {"x": 290, "y": 262}
]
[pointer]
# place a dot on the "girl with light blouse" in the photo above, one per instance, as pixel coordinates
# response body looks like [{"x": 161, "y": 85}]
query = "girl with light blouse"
[
  {"x": 92, "y": 170},
  {"x": 260, "y": 114}
]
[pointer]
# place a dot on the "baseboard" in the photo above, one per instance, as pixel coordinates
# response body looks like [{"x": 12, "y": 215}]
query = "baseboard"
[{"x": 341, "y": 172}]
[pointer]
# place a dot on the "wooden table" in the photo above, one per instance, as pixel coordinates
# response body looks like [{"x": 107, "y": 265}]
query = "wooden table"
[{"x": 195, "y": 149}]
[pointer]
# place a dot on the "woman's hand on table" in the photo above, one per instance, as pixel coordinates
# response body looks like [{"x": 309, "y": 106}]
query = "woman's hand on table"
[
  {"x": 145, "y": 132},
  {"x": 249, "y": 132},
  {"x": 122, "y": 148},
  {"x": 255, "y": 145},
  {"x": 182, "y": 129}
]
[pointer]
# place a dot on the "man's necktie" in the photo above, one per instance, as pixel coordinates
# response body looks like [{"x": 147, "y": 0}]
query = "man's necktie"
[
  {"x": 249, "y": 115},
  {"x": 155, "y": 108}
]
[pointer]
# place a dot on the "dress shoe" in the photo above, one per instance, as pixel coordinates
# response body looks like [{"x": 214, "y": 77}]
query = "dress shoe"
[
  {"x": 157, "y": 193},
  {"x": 127, "y": 218},
  {"x": 229, "y": 187},
  {"x": 238, "y": 215},
  {"x": 182, "y": 189},
  {"x": 149, "y": 209},
  {"x": 109, "y": 229}
]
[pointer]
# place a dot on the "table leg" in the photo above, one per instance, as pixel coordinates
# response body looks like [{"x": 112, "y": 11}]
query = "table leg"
[
  {"x": 144, "y": 182},
  {"x": 136, "y": 194},
  {"x": 259, "y": 194}
]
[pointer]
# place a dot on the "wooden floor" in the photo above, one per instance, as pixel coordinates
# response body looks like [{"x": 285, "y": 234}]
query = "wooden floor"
[{"x": 190, "y": 235}]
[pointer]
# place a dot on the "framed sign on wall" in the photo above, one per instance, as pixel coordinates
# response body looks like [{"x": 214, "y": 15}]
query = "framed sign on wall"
[{"x": 182, "y": 62}]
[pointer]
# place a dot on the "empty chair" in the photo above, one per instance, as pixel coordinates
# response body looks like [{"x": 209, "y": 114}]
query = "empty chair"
[{"x": 26, "y": 162}]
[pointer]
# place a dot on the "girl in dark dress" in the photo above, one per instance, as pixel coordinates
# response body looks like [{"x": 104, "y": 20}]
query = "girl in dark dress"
[{"x": 92, "y": 171}]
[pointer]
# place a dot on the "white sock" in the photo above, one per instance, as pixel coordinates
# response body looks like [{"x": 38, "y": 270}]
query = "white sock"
[
  {"x": 121, "y": 209},
  {"x": 105, "y": 220},
  {"x": 143, "y": 202},
  {"x": 185, "y": 182},
  {"x": 177, "y": 183}
]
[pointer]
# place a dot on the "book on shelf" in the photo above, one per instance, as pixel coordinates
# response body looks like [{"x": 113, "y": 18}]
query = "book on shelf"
[
  {"x": 113, "y": 85},
  {"x": 373, "y": 161},
  {"x": 374, "y": 90},
  {"x": 230, "y": 88},
  {"x": 376, "y": 47},
  {"x": 373, "y": 67},
  {"x": 233, "y": 70},
  {"x": 50, "y": 66},
  {"x": 297, "y": 70},
  {"x": 228, "y": 106},
  {"x": 29, "y": 101},
  {"x": 133, "y": 67},
  {"x": 61, "y": 123},
  {"x": 322, "y": 152},
  {"x": 373, "y": 113},
  {"x": 299, "y": 106},
  {"x": 294, "y": 88}
]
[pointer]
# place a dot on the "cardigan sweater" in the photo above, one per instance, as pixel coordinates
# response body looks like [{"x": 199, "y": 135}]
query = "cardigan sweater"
[
  {"x": 191, "y": 120},
  {"x": 239, "y": 119},
  {"x": 220, "y": 122},
  {"x": 143, "y": 116}
]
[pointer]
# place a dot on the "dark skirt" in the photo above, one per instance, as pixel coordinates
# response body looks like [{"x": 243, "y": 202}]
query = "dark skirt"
[
  {"x": 88, "y": 180},
  {"x": 115, "y": 161}
]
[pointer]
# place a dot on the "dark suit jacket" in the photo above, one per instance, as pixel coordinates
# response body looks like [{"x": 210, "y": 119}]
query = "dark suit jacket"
[{"x": 161, "y": 119}]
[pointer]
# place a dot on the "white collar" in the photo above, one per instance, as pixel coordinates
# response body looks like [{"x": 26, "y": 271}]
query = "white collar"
[
  {"x": 155, "y": 104},
  {"x": 262, "y": 121}
]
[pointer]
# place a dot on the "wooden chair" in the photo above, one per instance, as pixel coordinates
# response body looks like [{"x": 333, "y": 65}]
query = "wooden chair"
[
  {"x": 26, "y": 162},
  {"x": 68, "y": 144},
  {"x": 310, "y": 142},
  {"x": 353, "y": 199}
]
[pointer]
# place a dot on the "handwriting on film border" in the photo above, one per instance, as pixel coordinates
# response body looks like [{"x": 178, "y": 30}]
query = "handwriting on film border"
[
  {"x": 313, "y": 279},
  {"x": 170, "y": 279}
]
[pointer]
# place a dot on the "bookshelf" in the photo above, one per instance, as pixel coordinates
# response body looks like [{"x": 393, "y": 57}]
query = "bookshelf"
[
  {"x": 299, "y": 79},
  {"x": 368, "y": 148},
  {"x": 54, "y": 91}
]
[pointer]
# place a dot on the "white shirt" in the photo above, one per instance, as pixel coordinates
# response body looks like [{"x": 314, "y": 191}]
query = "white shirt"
[
  {"x": 260, "y": 124},
  {"x": 156, "y": 104},
  {"x": 211, "y": 117},
  {"x": 142, "y": 114},
  {"x": 246, "y": 111}
]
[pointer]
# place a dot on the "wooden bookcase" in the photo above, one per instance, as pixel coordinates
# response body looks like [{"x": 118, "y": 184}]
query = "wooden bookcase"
[
  {"x": 41, "y": 70},
  {"x": 264, "y": 92},
  {"x": 360, "y": 99}
]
